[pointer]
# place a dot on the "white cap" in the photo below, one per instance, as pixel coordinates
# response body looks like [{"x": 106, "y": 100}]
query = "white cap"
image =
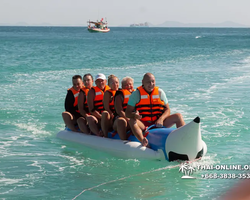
[{"x": 100, "y": 76}]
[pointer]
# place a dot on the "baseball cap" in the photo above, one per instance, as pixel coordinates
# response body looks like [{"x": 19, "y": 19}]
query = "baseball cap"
[{"x": 100, "y": 76}]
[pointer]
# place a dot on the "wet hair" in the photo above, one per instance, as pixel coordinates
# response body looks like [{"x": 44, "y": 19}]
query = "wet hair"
[
  {"x": 88, "y": 75},
  {"x": 110, "y": 77},
  {"x": 125, "y": 79},
  {"x": 76, "y": 77}
]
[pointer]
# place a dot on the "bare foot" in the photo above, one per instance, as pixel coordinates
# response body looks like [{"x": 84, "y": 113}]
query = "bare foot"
[
  {"x": 100, "y": 133},
  {"x": 144, "y": 142}
]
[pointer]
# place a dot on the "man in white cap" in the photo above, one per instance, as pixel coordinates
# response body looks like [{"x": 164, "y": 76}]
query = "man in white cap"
[{"x": 95, "y": 103}]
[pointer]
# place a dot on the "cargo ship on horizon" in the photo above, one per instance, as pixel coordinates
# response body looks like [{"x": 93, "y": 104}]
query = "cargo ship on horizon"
[{"x": 140, "y": 25}]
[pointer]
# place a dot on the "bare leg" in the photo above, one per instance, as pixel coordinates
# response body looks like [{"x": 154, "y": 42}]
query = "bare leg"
[
  {"x": 82, "y": 123},
  {"x": 121, "y": 126},
  {"x": 93, "y": 124},
  {"x": 137, "y": 126},
  {"x": 106, "y": 123},
  {"x": 69, "y": 120},
  {"x": 174, "y": 119}
]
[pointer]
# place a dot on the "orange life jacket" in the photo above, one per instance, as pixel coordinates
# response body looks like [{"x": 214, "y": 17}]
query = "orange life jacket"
[
  {"x": 85, "y": 105},
  {"x": 112, "y": 103},
  {"x": 76, "y": 94},
  {"x": 125, "y": 93},
  {"x": 150, "y": 106},
  {"x": 98, "y": 104}
]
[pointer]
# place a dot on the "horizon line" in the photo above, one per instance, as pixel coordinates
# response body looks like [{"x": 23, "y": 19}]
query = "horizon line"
[
  {"x": 127, "y": 26},
  {"x": 227, "y": 23}
]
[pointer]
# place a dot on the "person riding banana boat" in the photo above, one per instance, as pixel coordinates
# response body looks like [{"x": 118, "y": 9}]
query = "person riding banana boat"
[
  {"x": 142, "y": 120},
  {"x": 121, "y": 125},
  {"x": 108, "y": 102},
  {"x": 149, "y": 105},
  {"x": 95, "y": 104},
  {"x": 82, "y": 103},
  {"x": 72, "y": 113}
]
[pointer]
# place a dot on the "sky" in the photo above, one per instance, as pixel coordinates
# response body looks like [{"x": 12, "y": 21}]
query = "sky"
[{"x": 123, "y": 12}]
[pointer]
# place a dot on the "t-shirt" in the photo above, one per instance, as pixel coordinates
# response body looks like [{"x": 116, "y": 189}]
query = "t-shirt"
[{"x": 135, "y": 97}]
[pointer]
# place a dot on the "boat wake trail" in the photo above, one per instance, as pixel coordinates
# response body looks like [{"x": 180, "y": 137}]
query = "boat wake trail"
[
  {"x": 155, "y": 170},
  {"x": 105, "y": 183}
]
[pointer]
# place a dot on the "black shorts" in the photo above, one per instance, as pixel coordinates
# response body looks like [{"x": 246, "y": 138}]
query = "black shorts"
[
  {"x": 115, "y": 117},
  {"x": 77, "y": 115}
]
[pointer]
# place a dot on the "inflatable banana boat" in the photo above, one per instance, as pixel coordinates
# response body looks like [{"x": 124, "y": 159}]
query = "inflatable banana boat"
[{"x": 184, "y": 143}]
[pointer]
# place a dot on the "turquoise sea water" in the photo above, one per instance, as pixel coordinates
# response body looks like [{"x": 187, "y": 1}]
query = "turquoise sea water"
[{"x": 204, "y": 72}]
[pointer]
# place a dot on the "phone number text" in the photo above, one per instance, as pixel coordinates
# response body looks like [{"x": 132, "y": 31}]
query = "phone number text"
[{"x": 225, "y": 176}]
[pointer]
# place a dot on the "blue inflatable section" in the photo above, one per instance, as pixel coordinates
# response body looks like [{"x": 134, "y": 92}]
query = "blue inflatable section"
[
  {"x": 115, "y": 135},
  {"x": 157, "y": 138}
]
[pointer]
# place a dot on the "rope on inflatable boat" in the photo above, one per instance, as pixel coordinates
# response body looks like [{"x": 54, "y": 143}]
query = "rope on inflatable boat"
[{"x": 155, "y": 170}]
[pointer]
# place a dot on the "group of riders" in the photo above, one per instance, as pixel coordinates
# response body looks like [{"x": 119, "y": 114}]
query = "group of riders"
[{"x": 105, "y": 107}]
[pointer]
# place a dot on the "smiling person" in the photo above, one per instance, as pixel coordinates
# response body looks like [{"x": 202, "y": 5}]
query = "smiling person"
[
  {"x": 72, "y": 113},
  {"x": 121, "y": 124},
  {"x": 82, "y": 103},
  {"x": 95, "y": 104},
  {"x": 149, "y": 105},
  {"x": 108, "y": 102}
]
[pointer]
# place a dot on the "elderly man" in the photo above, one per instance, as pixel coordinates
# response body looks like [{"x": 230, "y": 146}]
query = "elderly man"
[
  {"x": 95, "y": 104},
  {"x": 108, "y": 103},
  {"x": 149, "y": 105}
]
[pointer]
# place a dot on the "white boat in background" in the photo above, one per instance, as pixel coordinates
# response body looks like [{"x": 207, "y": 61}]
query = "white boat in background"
[
  {"x": 184, "y": 143},
  {"x": 98, "y": 26}
]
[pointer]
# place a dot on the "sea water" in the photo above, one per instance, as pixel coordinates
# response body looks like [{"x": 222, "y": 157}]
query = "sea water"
[{"x": 205, "y": 72}]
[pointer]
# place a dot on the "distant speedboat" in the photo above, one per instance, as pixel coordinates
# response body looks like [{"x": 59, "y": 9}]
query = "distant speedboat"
[{"x": 98, "y": 26}]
